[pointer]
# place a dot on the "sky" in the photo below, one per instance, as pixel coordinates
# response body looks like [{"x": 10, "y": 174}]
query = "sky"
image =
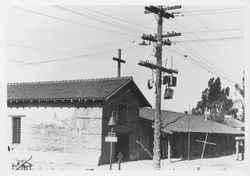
[{"x": 46, "y": 43}]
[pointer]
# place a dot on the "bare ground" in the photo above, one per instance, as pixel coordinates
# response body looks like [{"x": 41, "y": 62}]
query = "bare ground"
[{"x": 75, "y": 161}]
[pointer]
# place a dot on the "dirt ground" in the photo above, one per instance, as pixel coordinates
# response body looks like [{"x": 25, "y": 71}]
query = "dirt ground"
[{"x": 74, "y": 161}]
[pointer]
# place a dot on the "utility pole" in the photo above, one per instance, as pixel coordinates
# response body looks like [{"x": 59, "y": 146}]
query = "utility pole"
[
  {"x": 119, "y": 61},
  {"x": 157, "y": 131},
  {"x": 160, "y": 13}
]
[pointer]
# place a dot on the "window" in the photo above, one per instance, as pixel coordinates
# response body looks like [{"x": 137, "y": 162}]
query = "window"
[
  {"x": 16, "y": 130},
  {"x": 122, "y": 114}
]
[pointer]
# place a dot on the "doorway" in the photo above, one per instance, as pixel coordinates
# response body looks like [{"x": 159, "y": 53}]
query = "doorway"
[{"x": 122, "y": 146}]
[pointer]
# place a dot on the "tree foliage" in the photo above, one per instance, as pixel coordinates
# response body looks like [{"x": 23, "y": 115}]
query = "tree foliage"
[
  {"x": 241, "y": 90},
  {"x": 216, "y": 100}
]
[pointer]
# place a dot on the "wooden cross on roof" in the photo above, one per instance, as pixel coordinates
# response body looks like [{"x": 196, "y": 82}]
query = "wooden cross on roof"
[
  {"x": 204, "y": 145},
  {"x": 119, "y": 61},
  {"x": 207, "y": 113}
]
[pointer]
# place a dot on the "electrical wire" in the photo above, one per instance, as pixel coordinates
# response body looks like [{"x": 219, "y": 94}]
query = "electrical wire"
[
  {"x": 76, "y": 11},
  {"x": 73, "y": 57},
  {"x": 202, "y": 40},
  {"x": 210, "y": 29},
  {"x": 204, "y": 43},
  {"x": 209, "y": 64},
  {"x": 72, "y": 50},
  {"x": 201, "y": 59},
  {"x": 215, "y": 13},
  {"x": 209, "y": 39},
  {"x": 218, "y": 30},
  {"x": 119, "y": 19},
  {"x": 31, "y": 47},
  {"x": 212, "y": 10},
  {"x": 195, "y": 62},
  {"x": 62, "y": 67},
  {"x": 203, "y": 64},
  {"x": 72, "y": 22}
]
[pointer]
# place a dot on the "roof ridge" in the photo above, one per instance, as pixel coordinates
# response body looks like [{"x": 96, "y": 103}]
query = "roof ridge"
[
  {"x": 70, "y": 81},
  {"x": 163, "y": 110},
  {"x": 125, "y": 83}
]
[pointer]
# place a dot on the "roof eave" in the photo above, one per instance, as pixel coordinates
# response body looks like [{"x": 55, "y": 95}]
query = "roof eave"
[{"x": 145, "y": 104}]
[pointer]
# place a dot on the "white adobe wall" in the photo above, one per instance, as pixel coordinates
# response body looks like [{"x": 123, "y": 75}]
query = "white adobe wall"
[{"x": 59, "y": 129}]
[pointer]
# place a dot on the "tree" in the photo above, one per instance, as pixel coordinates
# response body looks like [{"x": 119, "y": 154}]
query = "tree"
[
  {"x": 216, "y": 100},
  {"x": 241, "y": 91}
]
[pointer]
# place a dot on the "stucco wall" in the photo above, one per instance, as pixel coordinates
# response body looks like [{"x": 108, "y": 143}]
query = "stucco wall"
[{"x": 60, "y": 129}]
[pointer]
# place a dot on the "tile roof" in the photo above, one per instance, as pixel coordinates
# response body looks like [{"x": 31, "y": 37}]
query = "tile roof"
[
  {"x": 83, "y": 89},
  {"x": 233, "y": 123},
  {"x": 181, "y": 122}
]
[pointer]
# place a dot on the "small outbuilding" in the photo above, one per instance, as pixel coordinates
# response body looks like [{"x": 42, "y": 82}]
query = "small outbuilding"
[{"x": 181, "y": 131}]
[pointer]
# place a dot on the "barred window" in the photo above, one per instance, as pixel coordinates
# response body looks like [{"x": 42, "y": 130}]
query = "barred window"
[{"x": 16, "y": 130}]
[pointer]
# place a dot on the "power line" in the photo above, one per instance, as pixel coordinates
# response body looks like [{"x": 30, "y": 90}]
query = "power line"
[
  {"x": 201, "y": 63},
  {"x": 72, "y": 22},
  {"x": 203, "y": 41},
  {"x": 75, "y": 50},
  {"x": 209, "y": 64},
  {"x": 212, "y": 10},
  {"x": 210, "y": 39},
  {"x": 80, "y": 68},
  {"x": 69, "y": 9},
  {"x": 215, "y": 13},
  {"x": 120, "y": 19},
  {"x": 210, "y": 29},
  {"x": 117, "y": 23},
  {"x": 114, "y": 20},
  {"x": 198, "y": 55},
  {"x": 66, "y": 58},
  {"x": 73, "y": 57},
  {"x": 202, "y": 23},
  {"x": 31, "y": 47},
  {"x": 205, "y": 61},
  {"x": 217, "y": 30},
  {"x": 195, "y": 62}
]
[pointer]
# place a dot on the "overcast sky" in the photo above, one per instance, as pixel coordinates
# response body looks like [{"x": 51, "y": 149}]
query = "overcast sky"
[{"x": 47, "y": 43}]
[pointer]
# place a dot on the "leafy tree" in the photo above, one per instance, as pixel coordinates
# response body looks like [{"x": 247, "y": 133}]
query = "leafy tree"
[
  {"x": 216, "y": 100},
  {"x": 241, "y": 90}
]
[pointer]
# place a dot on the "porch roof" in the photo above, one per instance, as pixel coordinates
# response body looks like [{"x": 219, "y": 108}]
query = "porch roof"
[{"x": 180, "y": 122}]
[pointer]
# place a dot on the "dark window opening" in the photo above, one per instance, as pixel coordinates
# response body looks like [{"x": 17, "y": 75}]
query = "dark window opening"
[
  {"x": 122, "y": 146},
  {"x": 122, "y": 114},
  {"x": 16, "y": 130}
]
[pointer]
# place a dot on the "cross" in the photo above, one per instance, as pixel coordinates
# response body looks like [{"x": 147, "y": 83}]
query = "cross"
[
  {"x": 119, "y": 61},
  {"x": 204, "y": 145},
  {"x": 206, "y": 113}
]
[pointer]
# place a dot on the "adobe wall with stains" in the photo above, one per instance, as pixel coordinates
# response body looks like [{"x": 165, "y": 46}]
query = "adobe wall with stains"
[
  {"x": 59, "y": 129},
  {"x": 82, "y": 130}
]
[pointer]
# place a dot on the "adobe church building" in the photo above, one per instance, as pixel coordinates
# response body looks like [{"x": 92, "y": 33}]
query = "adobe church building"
[{"x": 73, "y": 116}]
